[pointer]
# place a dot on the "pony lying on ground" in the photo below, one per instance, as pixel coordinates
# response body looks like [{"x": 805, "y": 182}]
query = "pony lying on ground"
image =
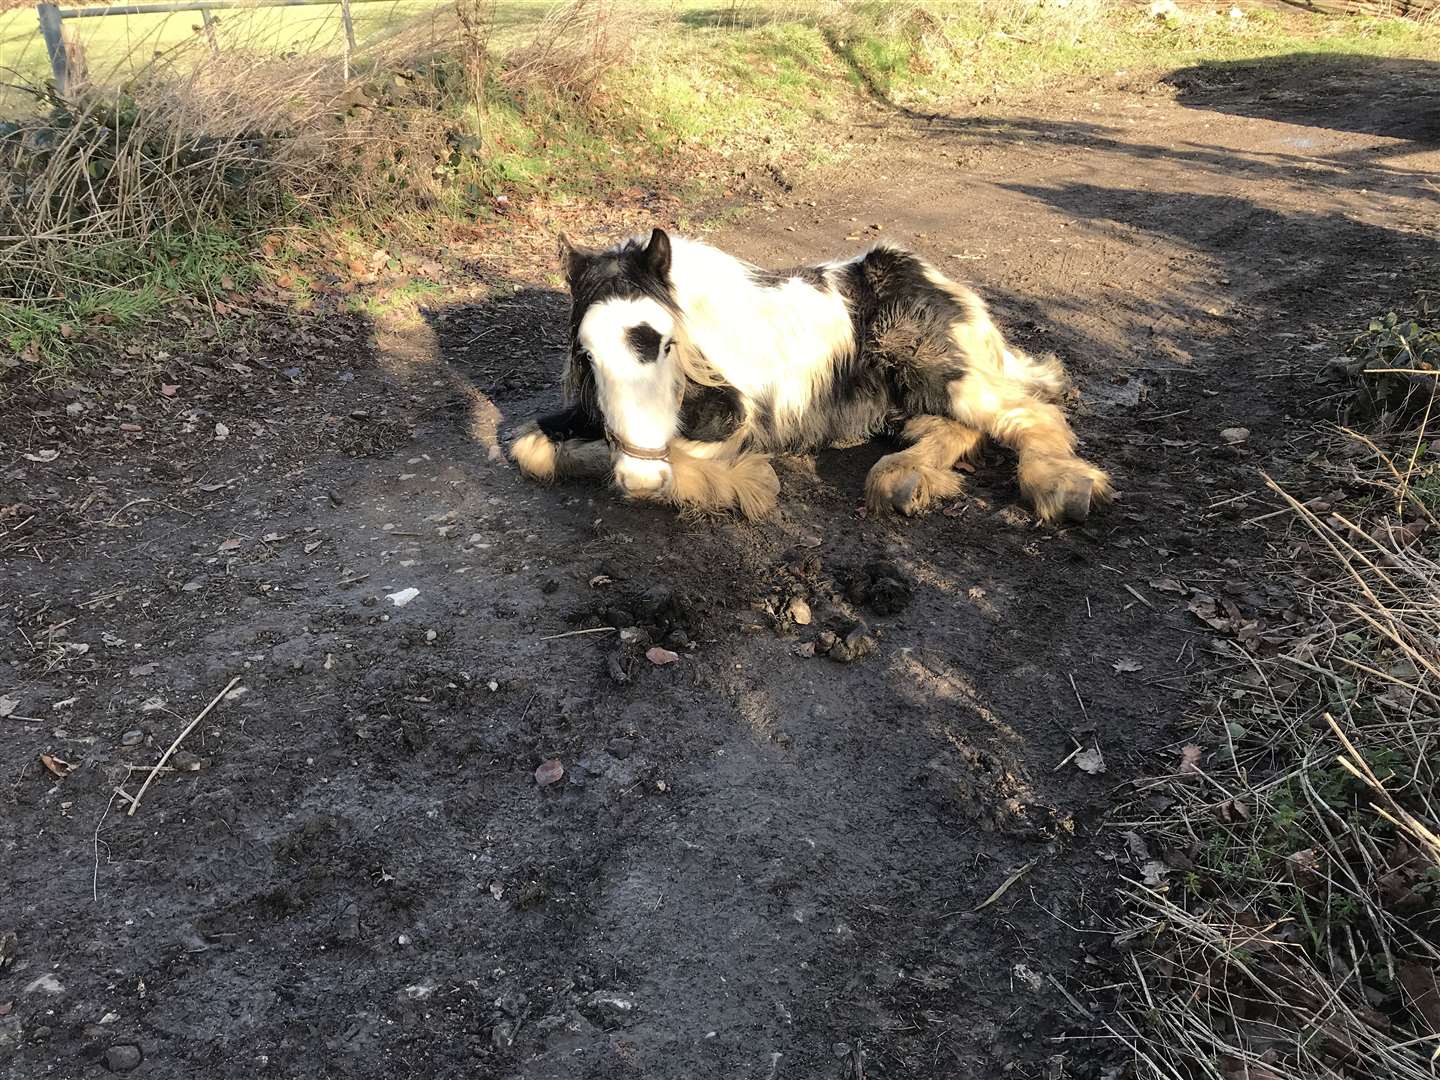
[{"x": 688, "y": 368}]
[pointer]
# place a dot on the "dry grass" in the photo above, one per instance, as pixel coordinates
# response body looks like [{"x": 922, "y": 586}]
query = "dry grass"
[
  {"x": 576, "y": 45},
  {"x": 1292, "y": 930}
]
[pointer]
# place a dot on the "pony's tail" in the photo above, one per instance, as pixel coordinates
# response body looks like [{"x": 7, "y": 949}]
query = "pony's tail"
[{"x": 1045, "y": 378}]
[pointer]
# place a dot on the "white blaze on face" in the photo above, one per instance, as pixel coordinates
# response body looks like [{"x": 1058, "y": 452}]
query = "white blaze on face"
[{"x": 638, "y": 382}]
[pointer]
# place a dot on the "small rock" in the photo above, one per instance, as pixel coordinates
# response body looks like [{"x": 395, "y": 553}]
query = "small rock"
[
  {"x": 612, "y": 1002},
  {"x": 799, "y": 612},
  {"x": 550, "y": 586},
  {"x": 660, "y": 657},
  {"x": 549, "y": 772},
  {"x": 620, "y": 748},
  {"x": 123, "y": 1057},
  {"x": 9, "y": 948},
  {"x": 502, "y": 1035},
  {"x": 805, "y": 650},
  {"x": 418, "y": 992},
  {"x": 1235, "y": 435},
  {"x": 347, "y": 924},
  {"x": 403, "y": 597},
  {"x": 45, "y": 984},
  {"x": 856, "y": 643}
]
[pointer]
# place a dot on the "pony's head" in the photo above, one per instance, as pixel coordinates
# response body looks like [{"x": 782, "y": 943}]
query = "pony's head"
[{"x": 624, "y": 357}]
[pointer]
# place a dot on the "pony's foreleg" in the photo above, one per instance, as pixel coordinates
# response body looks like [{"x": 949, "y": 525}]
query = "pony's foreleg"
[
  {"x": 909, "y": 481},
  {"x": 1058, "y": 483},
  {"x": 550, "y": 448},
  {"x": 713, "y": 476}
]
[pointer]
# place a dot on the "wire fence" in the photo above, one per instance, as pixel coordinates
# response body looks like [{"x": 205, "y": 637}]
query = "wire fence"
[{"x": 73, "y": 46}]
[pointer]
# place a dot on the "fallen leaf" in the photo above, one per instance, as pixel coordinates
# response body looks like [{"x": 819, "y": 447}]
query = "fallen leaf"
[
  {"x": 1207, "y": 609},
  {"x": 58, "y": 766},
  {"x": 5, "y": 1007},
  {"x": 169, "y": 389},
  {"x": 660, "y": 657},
  {"x": 1232, "y": 810},
  {"x": 273, "y": 537},
  {"x": 1139, "y": 850},
  {"x": 1154, "y": 872},
  {"x": 599, "y": 580},
  {"x": 43, "y": 456},
  {"x": 1235, "y": 435},
  {"x": 8, "y": 705},
  {"x": 227, "y": 283},
  {"x": 230, "y": 545},
  {"x": 67, "y": 331},
  {"x": 1190, "y": 758},
  {"x": 1168, "y": 585},
  {"x": 1090, "y": 761},
  {"x": 142, "y": 670},
  {"x": 313, "y": 545},
  {"x": 549, "y": 772},
  {"x": 1125, "y": 664}
]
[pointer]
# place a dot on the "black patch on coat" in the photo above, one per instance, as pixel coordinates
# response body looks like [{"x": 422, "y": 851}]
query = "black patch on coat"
[
  {"x": 710, "y": 413},
  {"x": 905, "y": 357},
  {"x": 813, "y": 276},
  {"x": 644, "y": 341},
  {"x": 574, "y": 422}
]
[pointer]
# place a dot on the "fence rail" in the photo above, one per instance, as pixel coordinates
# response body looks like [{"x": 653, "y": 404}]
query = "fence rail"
[{"x": 67, "y": 62}]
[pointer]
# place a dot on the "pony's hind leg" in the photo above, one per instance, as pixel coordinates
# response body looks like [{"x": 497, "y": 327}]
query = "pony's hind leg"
[
  {"x": 909, "y": 481},
  {"x": 1057, "y": 482}
]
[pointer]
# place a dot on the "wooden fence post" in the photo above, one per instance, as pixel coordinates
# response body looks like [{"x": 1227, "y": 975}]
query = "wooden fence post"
[
  {"x": 210, "y": 31},
  {"x": 349, "y": 26},
  {"x": 50, "y": 30}
]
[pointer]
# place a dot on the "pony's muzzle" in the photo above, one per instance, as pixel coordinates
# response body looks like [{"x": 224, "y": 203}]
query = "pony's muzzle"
[{"x": 643, "y": 479}]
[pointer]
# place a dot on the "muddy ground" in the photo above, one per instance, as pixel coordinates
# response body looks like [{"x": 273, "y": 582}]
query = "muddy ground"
[{"x": 758, "y": 863}]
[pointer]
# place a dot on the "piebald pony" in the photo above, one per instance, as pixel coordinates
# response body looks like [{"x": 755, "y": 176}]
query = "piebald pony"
[{"x": 688, "y": 368}]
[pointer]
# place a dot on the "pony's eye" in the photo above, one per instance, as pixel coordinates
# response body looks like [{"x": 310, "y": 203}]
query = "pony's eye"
[{"x": 668, "y": 346}]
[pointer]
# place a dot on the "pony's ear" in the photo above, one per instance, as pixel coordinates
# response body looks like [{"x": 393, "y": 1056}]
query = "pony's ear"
[
  {"x": 572, "y": 259},
  {"x": 657, "y": 254}
]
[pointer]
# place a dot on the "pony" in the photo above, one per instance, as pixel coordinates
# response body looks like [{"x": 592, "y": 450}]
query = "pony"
[{"x": 688, "y": 368}]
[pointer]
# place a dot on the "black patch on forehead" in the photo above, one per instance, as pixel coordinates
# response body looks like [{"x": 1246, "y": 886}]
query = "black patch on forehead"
[
  {"x": 644, "y": 341},
  {"x": 618, "y": 273}
]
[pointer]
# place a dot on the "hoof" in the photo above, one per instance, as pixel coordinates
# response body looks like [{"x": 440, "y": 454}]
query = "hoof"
[
  {"x": 907, "y": 498},
  {"x": 906, "y": 489},
  {"x": 1075, "y": 501}
]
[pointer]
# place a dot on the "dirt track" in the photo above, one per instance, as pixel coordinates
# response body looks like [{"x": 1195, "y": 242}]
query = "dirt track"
[{"x": 758, "y": 864}]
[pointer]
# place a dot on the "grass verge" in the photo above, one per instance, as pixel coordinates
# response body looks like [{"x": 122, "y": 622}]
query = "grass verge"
[{"x": 1288, "y": 924}]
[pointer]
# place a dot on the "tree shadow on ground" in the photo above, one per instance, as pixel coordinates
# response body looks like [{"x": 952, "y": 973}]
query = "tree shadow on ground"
[
  {"x": 1397, "y": 99},
  {"x": 1392, "y": 98}
]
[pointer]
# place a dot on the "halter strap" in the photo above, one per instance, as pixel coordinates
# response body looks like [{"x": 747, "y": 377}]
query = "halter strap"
[{"x": 640, "y": 453}]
